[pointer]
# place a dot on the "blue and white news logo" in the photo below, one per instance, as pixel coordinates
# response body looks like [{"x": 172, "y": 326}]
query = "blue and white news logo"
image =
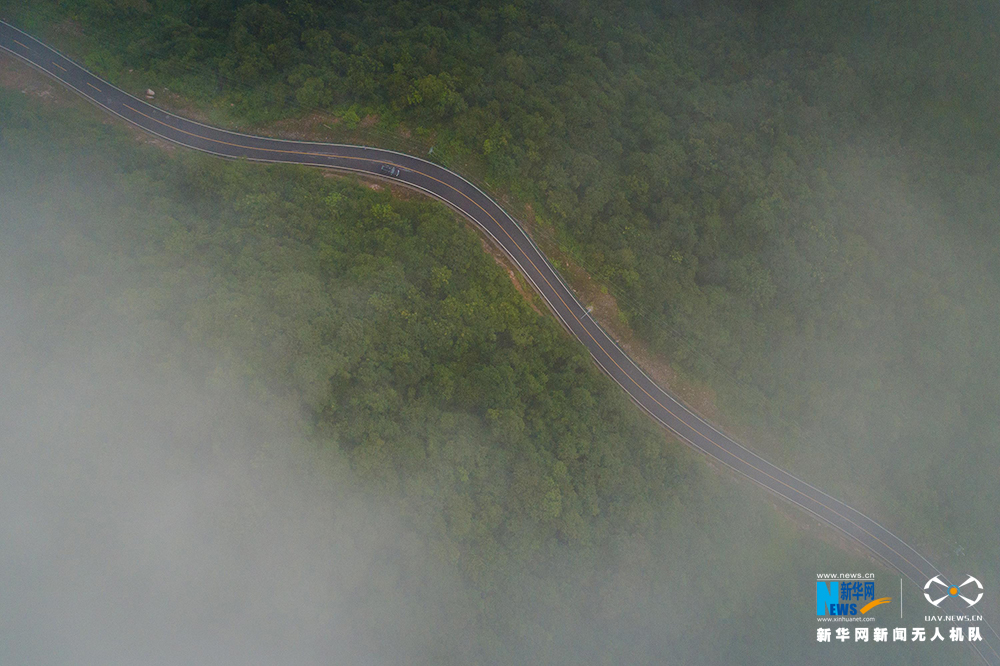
[
  {"x": 846, "y": 597},
  {"x": 952, "y": 591}
]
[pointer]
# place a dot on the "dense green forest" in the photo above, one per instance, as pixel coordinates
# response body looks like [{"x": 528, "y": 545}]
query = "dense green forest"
[
  {"x": 795, "y": 202},
  {"x": 580, "y": 534},
  {"x": 386, "y": 318}
]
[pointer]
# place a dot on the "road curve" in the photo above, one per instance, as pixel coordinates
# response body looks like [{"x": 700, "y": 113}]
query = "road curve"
[{"x": 482, "y": 210}]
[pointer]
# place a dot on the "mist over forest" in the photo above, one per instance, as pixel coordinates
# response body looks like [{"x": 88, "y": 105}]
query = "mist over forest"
[{"x": 254, "y": 414}]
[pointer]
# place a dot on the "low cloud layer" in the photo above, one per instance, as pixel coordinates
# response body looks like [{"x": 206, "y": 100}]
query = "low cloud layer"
[{"x": 151, "y": 518}]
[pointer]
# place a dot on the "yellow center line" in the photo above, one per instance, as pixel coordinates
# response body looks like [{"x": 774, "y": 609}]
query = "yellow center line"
[
  {"x": 21, "y": 45},
  {"x": 570, "y": 310},
  {"x": 59, "y": 66},
  {"x": 94, "y": 87}
]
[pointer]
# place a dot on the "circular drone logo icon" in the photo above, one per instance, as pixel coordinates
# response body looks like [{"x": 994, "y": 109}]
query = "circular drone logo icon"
[{"x": 952, "y": 591}]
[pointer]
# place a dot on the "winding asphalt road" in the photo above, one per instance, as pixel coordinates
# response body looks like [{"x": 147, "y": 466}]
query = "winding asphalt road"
[{"x": 481, "y": 209}]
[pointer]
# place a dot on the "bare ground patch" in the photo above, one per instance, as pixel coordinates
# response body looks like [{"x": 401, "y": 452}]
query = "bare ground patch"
[
  {"x": 176, "y": 103},
  {"x": 69, "y": 28},
  {"x": 17, "y": 75},
  {"x": 314, "y": 127}
]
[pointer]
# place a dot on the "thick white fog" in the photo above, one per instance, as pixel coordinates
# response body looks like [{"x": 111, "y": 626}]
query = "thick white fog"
[{"x": 148, "y": 519}]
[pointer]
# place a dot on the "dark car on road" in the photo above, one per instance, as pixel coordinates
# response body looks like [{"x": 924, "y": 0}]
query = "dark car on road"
[{"x": 389, "y": 170}]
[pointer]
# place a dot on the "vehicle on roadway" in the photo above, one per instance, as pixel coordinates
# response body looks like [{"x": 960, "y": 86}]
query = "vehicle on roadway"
[{"x": 389, "y": 170}]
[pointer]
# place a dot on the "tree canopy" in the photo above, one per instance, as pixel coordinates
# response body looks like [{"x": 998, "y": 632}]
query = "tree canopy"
[{"x": 794, "y": 202}]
